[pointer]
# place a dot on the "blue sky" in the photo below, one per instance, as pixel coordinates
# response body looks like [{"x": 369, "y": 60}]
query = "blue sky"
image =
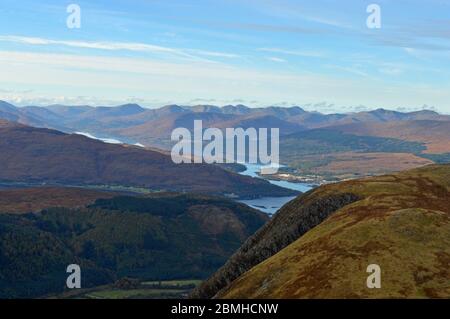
[{"x": 317, "y": 54}]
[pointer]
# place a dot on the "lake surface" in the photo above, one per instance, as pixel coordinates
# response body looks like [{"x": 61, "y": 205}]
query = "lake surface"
[
  {"x": 267, "y": 205},
  {"x": 270, "y": 205},
  {"x": 106, "y": 139}
]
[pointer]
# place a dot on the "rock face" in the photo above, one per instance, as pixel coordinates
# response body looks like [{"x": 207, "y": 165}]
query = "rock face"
[
  {"x": 296, "y": 219},
  {"x": 400, "y": 222}
]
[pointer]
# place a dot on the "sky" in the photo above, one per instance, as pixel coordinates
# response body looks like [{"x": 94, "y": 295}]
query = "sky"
[{"x": 320, "y": 55}]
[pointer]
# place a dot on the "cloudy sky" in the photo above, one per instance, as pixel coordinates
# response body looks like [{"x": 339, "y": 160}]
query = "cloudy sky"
[{"x": 317, "y": 54}]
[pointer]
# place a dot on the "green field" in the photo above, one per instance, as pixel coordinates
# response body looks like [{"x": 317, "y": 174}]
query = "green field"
[
  {"x": 173, "y": 283},
  {"x": 146, "y": 290},
  {"x": 135, "y": 293}
]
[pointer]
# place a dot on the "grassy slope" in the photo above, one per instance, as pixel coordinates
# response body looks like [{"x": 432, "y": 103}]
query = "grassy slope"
[
  {"x": 401, "y": 222},
  {"x": 142, "y": 290}
]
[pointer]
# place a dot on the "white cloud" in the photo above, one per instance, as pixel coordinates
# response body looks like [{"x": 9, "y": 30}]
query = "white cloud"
[
  {"x": 351, "y": 70},
  {"x": 390, "y": 71},
  {"x": 116, "y": 46},
  {"x": 91, "y": 45},
  {"x": 216, "y": 54},
  {"x": 293, "y": 52},
  {"x": 275, "y": 59}
]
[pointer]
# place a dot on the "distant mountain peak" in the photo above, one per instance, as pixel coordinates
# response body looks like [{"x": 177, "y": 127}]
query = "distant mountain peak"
[
  {"x": 237, "y": 106},
  {"x": 206, "y": 108},
  {"x": 173, "y": 108},
  {"x": 427, "y": 112},
  {"x": 383, "y": 111},
  {"x": 5, "y": 106},
  {"x": 236, "y": 109},
  {"x": 131, "y": 108}
]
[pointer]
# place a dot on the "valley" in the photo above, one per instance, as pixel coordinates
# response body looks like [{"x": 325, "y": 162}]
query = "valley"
[
  {"x": 155, "y": 237},
  {"x": 225, "y": 158},
  {"x": 141, "y": 226}
]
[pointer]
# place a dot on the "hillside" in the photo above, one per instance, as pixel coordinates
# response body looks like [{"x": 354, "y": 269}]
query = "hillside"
[
  {"x": 44, "y": 156},
  {"x": 343, "y": 154},
  {"x": 154, "y": 237},
  {"x": 434, "y": 134},
  {"x": 319, "y": 245}
]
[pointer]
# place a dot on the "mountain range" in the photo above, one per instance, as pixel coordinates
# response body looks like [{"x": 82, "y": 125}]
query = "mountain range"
[
  {"x": 369, "y": 142},
  {"x": 131, "y": 121}
]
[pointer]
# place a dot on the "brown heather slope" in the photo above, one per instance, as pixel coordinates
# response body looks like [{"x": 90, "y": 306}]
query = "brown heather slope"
[
  {"x": 349, "y": 164},
  {"x": 33, "y": 155},
  {"x": 26, "y": 200},
  {"x": 400, "y": 222},
  {"x": 434, "y": 133},
  {"x": 156, "y": 132}
]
